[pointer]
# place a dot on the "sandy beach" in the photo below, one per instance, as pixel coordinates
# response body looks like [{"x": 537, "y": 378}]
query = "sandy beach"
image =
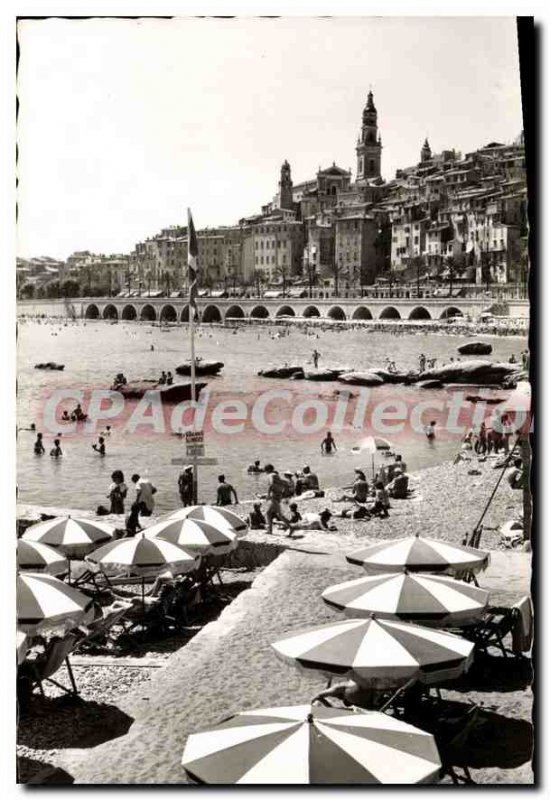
[{"x": 136, "y": 710}]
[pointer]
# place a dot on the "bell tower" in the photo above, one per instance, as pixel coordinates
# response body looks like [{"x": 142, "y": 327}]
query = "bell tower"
[
  {"x": 426, "y": 152},
  {"x": 285, "y": 187},
  {"x": 369, "y": 144}
]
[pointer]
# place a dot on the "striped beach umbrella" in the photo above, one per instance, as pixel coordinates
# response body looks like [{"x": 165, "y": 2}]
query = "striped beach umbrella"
[
  {"x": 378, "y": 653},
  {"x": 45, "y": 602},
  {"x": 75, "y": 537},
  {"x": 310, "y": 744},
  {"x": 427, "y": 599},
  {"x": 38, "y": 557},
  {"x": 194, "y": 535},
  {"x": 142, "y": 556},
  {"x": 417, "y": 553},
  {"x": 371, "y": 444},
  {"x": 217, "y": 516}
]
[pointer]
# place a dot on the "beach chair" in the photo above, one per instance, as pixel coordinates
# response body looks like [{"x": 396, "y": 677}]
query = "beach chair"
[
  {"x": 101, "y": 629},
  {"x": 55, "y": 655},
  {"x": 453, "y": 736},
  {"x": 500, "y": 622}
]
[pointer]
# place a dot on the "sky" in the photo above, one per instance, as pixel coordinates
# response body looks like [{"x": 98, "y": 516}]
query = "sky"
[{"x": 123, "y": 124}]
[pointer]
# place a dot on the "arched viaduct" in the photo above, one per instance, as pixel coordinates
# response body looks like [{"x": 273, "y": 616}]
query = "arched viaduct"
[
  {"x": 215, "y": 310},
  {"x": 211, "y": 310}
]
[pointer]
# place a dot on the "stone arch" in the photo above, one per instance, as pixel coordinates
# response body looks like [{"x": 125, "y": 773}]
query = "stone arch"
[
  {"x": 451, "y": 311},
  {"x": 168, "y": 314},
  {"x": 185, "y": 314},
  {"x": 235, "y": 312},
  {"x": 285, "y": 311},
  {"x": 362, "y": 313},
  {"x": 148, "y": 313},
  {"x": 259, "y": 312},
  {"x": 311, "y": 311},
  {"x": 211, "y": 314},
  {"x": 390, "y": 312},
  {"x": 336, "y": 312},
  {"x": 129, "y": 312},
  {"x": 110, "y": 312},
  {"x": 92, "y": 312},
  {"x": 420, "y": 313}
]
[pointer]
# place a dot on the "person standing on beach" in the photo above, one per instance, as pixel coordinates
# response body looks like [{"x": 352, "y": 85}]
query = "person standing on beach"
[
  {"x": 144, "y": 503},
  {"x": 225, "y": 492},
  {"x": 275, "y": 493},
  {"x": 422, "y": 362},
  {"x": 39, "y": 448},
  {"x": 185, "y": 486},
  {"x": 328, "y": 444},
  {"x": 315, "y": 357},
  {"x": 117, "y": 492}
]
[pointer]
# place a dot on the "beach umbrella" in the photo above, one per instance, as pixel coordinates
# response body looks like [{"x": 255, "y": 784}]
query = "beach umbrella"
[
  {"x": 194, "y": 535},
  {"x": 22, "y": 645},
  {"x": 218, "y": 517},
  {"x": 418, "y": 553},
  {"x": 38, "y": 557},
  {"x": 372, "y": 445},
  {"x": 143, "y": 556},
  {"x": 75, "y": 537},
  {"x": 312, "y": 744},
  {"x": 378, "y": 653},
  {"x": 44, "y": 602},
  {"x": 428, "y": 599}
]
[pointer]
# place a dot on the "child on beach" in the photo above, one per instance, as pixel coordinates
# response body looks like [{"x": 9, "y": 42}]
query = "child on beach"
[{"x": 256, "y": 518}]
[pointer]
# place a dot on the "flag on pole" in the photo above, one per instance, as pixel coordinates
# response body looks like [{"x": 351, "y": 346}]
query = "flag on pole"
[{"x": 192, "y": 254}]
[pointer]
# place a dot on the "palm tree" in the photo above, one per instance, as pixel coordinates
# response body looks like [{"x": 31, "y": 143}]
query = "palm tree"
[{"x": 281, "y": 272}]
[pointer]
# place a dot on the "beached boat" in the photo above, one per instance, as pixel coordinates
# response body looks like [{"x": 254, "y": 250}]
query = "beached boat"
[
  {"x": 201, "y": 367},
  {"x": 475, "y": 349},
  {"x": 176, "y": 393},
  {"x": 50, "y": 365},
  {"x": 281, "y": 372}
]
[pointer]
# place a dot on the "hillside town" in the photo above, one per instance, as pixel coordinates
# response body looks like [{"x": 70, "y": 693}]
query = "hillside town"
[{"x": 451, "y": 222}]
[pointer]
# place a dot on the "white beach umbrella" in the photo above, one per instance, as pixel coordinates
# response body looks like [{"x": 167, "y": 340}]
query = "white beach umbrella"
[
  {"x": 45, "y": 602},
  {"x": 418, "y": 553},
  {"x": 194, "y": 535},
  {"x": 378, "y": 653},
  {"x": 75, "y": 537},
  {"x": 38, "y": 557},
  {"x": 310, "y": 744},
  {"x": 430, "y": 600},
  {"x": 217, "y": 516},
  {"x": 371, "y": 444},
  {"x": 142, "y": 556}
]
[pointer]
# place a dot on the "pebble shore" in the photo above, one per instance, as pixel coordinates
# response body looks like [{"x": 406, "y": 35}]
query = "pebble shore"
[{"x": 162, "y": 693}]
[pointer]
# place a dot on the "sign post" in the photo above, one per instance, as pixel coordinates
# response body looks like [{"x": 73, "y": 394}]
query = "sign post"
[{"x": 194, "y": 448}]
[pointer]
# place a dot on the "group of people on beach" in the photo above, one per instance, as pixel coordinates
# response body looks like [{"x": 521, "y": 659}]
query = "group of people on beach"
[{"x": 485, "y": 440}]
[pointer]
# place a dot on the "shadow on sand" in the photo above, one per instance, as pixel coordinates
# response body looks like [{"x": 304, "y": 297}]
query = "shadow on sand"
[
  {"x": 39, "y": 772},
  {"x": 50, "y": 723}
]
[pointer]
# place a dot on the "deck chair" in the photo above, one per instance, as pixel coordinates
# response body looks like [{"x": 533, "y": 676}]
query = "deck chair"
[
  {"x": 102, "y": 627},
  {"x": 500, "y": 622},
  {"x": 56, "y": 654},
  {"x": 452, "y": 736}
]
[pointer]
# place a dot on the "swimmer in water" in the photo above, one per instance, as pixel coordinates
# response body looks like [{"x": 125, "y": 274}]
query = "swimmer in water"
[
  {"x": 328, "y": 444},
  {"x": 56, "y": 451},
  {"x": 100, "y": 446},
  {"x": 39, "y": 448}
]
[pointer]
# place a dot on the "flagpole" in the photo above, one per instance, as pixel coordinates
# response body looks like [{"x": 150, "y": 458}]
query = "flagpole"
[{"x": 192, "y": 307}]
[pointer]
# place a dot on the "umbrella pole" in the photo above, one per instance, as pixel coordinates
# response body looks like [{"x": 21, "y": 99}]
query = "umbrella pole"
[{"x": 143, "y": 592}]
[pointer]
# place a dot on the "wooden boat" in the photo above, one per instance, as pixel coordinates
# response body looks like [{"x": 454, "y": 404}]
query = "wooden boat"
[
  {"x": 50, "y": 365},
  {"x": 201, "y": 367},
  {"x": 475, "y": 349},
  {"x": 176, "y": 393}
]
